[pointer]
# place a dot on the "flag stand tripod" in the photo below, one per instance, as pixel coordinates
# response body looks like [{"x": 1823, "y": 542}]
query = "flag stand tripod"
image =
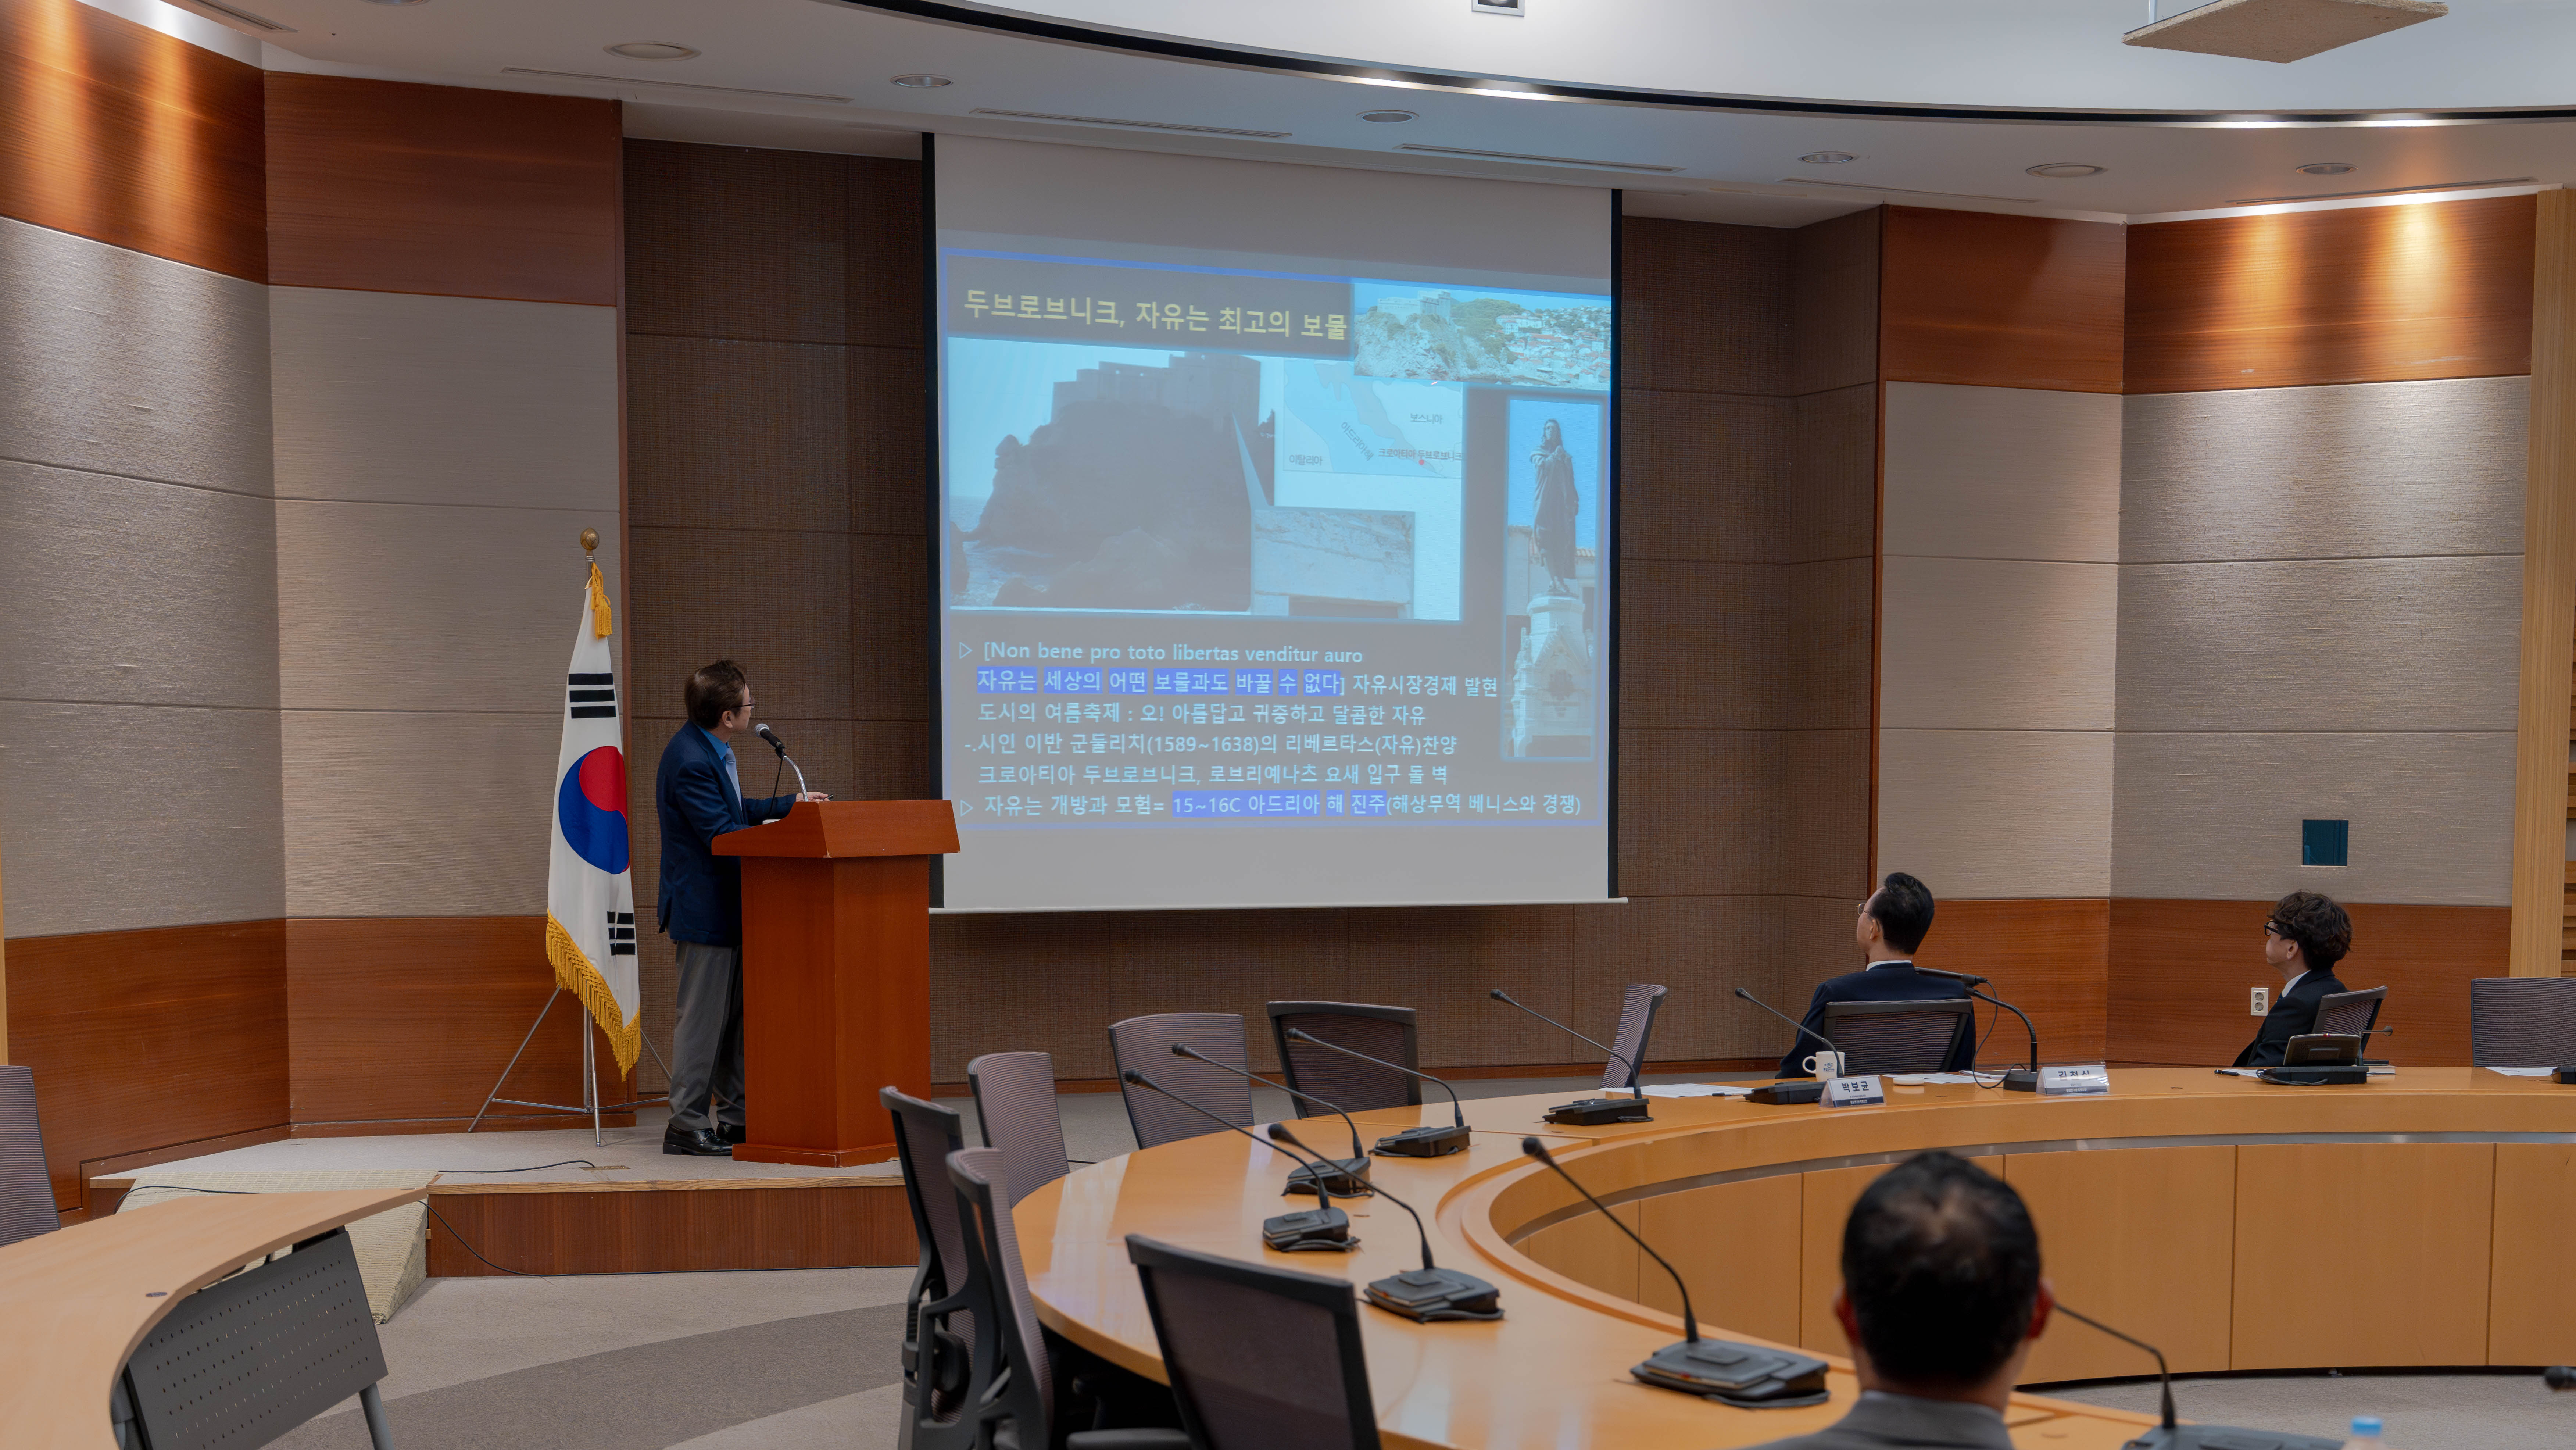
[{"x": 590, "y": 1103}]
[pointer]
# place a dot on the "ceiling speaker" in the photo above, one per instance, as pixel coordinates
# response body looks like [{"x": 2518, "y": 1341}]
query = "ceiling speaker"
[{"x": 2281, "y": 30}]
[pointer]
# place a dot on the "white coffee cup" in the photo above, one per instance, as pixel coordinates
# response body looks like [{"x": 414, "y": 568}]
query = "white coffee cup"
[{"x": 1824, "y": 1064}]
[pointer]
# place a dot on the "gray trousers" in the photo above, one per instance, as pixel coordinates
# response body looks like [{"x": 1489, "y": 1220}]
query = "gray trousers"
[{"x": 706, "y": 1049}]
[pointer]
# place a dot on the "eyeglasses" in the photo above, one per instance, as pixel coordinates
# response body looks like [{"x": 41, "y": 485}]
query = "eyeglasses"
[{"x": 2273, "y": 928}]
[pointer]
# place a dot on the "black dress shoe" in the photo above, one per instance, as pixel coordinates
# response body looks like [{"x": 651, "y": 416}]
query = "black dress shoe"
[
  {"x": 733, "y": 1132},
  {"x": 700, "y": 1143}
]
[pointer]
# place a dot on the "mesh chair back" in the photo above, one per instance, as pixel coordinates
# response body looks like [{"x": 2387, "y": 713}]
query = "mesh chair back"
[
  {"x": 924, "y": 1135},
  {"x": 1636, "y": 1024},
  {"x": 1011, "y": 1379},
  {"x": 1899, "y": 1036},
  {"x": 1015, "y": 1101},
  {"x": 2350, "y": 1013},
  {"x": 242, "y": 1361},
  {"x": 1144, "y": 1044},
  {"x": 2522, "y": 1022},
  {"x": 1259, "y": 1358},
  {"x": 26, "y": 1194},
  {"x": 1346, "y": 1082}
]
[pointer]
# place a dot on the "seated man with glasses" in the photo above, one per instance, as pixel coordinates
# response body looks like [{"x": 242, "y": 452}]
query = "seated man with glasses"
[
  {"x": 1892, "y": 923},
  {"x": 2304, "y": 938}
]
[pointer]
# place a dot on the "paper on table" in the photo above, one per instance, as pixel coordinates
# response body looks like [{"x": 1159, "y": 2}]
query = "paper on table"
[
  {"x": 1918, "y": 1079},
  {"x": 1697, "y": 1090},
  {"x": 2525, "y": 1071}
]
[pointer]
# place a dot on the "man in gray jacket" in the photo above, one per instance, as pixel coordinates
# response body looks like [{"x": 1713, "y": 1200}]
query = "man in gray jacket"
[{"x": 1941, "y": 1299}]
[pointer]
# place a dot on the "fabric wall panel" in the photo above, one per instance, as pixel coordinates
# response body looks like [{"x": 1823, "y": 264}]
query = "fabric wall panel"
[
  {"x": 1824, "y": 788},
  {"x": 418, "y": 813},
  {"x": 1000, "y": 973},
  {"x": 1997, "y": 813},
  {"x": 2367, "y": 469},
  {"x": 738, "y": 435},
  {"x": 393, "y": 398},
  {"x": 1702, "y": 947},
  {"x": 2002, "y": 473},
  {"x": 1704, "y": 309},
  {"x": 1223, "y": 961},
  {"x": 774, "y": 601},
  {"x": 1442, "y": 960},
  {"x": 120, "y": 362},
  {"x": 1705, "y": 650},
  {"x": 1997, "y": 644},
  {"x": 2216, "y": 815},
  {"x": 1702, "y": 474},
  {"x": 1827, "y": 640},
  {"x": 889, "y": 627},
  {"x": 1697, "y": 811},
  {"x": 2343, "y": 644},
  {"x": 136, "y": 592},
  {"x": 126, "y": 816},
  {"x": 1833, "y": 476}
]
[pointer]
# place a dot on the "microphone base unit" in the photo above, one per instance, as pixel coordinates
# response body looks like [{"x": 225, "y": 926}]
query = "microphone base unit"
[
  {"x": 2351, "y": 1076},
  {"x": 1424, "y": 1143},
  {"x": 1432, "y": 1296},
  {"x": 2021, "y": 1080},
  {"x": 1343, "y": 1177},
  {"x": 1309, "y": 1230},
  {"x": 2566, "y": 1074},
  {"x": 1745, "y": 1376},
  {"x": 2224, "y": 1437},
  {"x": 1781, "y": 1093},
  {"x": 1592, "y": 1112}
]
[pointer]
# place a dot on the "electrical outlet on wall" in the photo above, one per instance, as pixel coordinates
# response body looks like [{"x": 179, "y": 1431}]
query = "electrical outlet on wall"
[{"x": 2262, "y": 1001}]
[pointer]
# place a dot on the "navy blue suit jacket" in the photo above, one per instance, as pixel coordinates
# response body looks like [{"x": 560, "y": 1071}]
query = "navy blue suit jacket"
[
  {"x": 1891, "y": 983},
  {"x": 696, "y": 801},
  {"x": 2295, "y": 1013}
]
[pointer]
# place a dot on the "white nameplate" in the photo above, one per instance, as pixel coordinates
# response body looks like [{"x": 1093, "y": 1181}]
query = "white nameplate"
[
  {"x": 1854, "y": 1092},
  {"x": 2074, "y": 1081}
]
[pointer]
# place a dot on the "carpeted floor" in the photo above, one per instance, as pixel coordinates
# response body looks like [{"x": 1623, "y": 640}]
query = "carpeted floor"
[{"x": 2501, "y": 1411}]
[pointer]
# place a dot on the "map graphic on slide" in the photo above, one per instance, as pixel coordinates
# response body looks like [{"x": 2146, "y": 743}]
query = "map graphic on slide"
[{"x": 1333, "y": 420}]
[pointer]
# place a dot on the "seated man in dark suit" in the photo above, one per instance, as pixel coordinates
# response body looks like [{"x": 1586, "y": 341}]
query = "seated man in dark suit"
[
  {"x": 1892, "y": 924},
  {"x": 2306, "y": 935},
  {"x": 1941, "y": 1300}
]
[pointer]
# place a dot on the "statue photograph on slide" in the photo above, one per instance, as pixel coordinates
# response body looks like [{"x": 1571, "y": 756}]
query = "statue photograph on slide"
[{"x": 1551, "y": 577}]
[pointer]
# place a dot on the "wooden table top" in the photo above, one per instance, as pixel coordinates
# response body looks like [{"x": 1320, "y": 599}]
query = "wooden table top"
[
  {"x": 1554, "y": 1370},
  {"x": 76, "y": 1302}
]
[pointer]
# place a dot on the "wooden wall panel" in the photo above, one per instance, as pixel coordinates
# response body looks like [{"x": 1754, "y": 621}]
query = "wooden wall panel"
[
  {"x": 2181, "y": 974},
  {"x": 401, "y": 1024},
  {"x": 113, "y": 131},
  {"x": 2001, "y": 301},
  {"x": 2368, "y": 294},
  {"x": 631, "y": 1229},
  {"x": 384, "y": 187},
  {"x": 141, "y": 1039},
  {"x": 2050, "y": 958}
]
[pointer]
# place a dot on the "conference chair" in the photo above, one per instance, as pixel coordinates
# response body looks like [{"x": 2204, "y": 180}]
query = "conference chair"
[
  {"x": 2351, "y": 1013},
  {"x": 1015, "y": 1101},
  {"x": 26, "y": 1193},
  {"x": 1346, "y": 1082},
  {"x": 1899, "y": 1036},
  {"x": 1011, "y": 1391},
  {"x": 1636, "y": 1024},
  {"x": 1144, "y": 1044},
  {"x": 938, "y": 1323},
  {"x": 2522, "y": 1022},
  {"x": 1259, "y": 1358}
]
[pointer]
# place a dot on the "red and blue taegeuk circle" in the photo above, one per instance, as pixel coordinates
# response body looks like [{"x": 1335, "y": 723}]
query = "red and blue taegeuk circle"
[{"x": 591, "y": 808}]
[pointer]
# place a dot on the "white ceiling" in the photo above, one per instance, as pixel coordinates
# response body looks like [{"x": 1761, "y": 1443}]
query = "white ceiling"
[{"x": 1738, "y": 165}]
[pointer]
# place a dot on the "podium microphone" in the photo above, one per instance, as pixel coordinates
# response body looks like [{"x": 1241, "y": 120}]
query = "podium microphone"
[
  {"x": 1353, "y": 1171},
  {"x": 1431, "y": 1293},
  {"x": 2169, "y": 1436},
  {"x": 1587, "y": 1112},
  {"x": 1308, "y": 1229},
  {"x": 764, "y": 732},
  {"x": 2019, "y": 1079},
  {"x": 1743, "y": 1375},
  {"x": 1423, "y": 1142},
  {"x": 1788, "y": 1092}
]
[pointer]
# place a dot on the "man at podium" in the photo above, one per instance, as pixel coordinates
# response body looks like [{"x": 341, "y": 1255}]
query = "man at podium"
[{"x": 697, "y": 794}]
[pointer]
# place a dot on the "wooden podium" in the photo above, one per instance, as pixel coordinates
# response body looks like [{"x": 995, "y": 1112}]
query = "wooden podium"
[{"x": 835, "y": 974}]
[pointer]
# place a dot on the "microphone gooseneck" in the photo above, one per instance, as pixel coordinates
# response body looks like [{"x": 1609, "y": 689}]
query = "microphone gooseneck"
[
  {"x": 1302, "y": 1035},
  {"x": 1279, "y": 1133},
  {"x": 1785, "y": 1017},
  {"x": 1690, "y": 1321},
  {"x": 1322, "y": 1226},
  {"x": 1183, "y": 1049},
  {"x": 1634, "y": 1072},
  {"x": 2162, "y": 1373},
  {"x": 1969, "y": 978}
]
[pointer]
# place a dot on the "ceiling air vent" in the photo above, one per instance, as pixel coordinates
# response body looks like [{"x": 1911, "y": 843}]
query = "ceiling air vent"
[
  {"x": 1132, "y": 125},
  {"x": 582, "y": 75},
  {"x": 1541, "y": 160}
]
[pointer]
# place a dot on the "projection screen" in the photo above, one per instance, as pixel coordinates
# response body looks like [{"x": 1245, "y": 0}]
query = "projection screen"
[{"x": 1274, "y": 532}]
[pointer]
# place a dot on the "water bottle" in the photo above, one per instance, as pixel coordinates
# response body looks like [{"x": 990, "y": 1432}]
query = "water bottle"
[{"x": 2365, "y": 1434}]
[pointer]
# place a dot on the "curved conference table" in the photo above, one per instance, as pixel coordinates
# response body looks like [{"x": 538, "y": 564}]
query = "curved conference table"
[{"x": 2423, "y": 1219}]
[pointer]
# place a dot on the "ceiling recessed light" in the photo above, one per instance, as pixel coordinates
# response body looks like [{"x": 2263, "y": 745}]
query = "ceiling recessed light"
[
  {"x": 652, "y": 50},
  {"x": 921, "y": 82},
  {"x": 1386, "y": 117},
  {"x": 2326, "y": 168},
  {"x": 1827, "y": 158},
  {"x": 2058, "y": 170}
]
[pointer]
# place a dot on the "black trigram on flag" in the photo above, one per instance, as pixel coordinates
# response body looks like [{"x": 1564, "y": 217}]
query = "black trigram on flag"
[
  {"x": 592, "y": 697},
  {"x": 621, "y": 933}
]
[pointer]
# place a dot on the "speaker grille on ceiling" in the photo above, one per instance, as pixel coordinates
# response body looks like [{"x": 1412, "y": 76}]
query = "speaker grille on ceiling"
[
  {"x": 1542, "y": 160},
  {"x": 2281, "y": 30},
  {"x": 1132, "y": 125},
  {"x": 583, "y": 75},
  {"x": 2386, "y": 191}
]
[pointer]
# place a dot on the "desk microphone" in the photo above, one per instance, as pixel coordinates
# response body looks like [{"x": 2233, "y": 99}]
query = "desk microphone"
[
  {"x": 2170, "y": 1436},
  {"x": 1431, "y": 1293},
  {"x": 1308, "y": 1229},
  {"x": 1588, "y": 1111},
  {"x": 764, "y": 732},
  {"x": 2019, "y": 1079},
  {"x": 1741, "y": 1375},
  {"x": 1353, "y": 1171},
  {"x": 1424, "y": 1142},
  {"x": 1788, "y": 1092}
]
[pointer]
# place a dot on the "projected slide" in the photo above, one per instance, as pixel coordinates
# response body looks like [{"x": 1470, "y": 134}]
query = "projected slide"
[{"x": 1266, "y": 586}]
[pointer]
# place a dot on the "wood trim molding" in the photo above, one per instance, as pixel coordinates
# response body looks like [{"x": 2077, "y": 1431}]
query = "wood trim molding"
[{"x": 2548, "y": 600}]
